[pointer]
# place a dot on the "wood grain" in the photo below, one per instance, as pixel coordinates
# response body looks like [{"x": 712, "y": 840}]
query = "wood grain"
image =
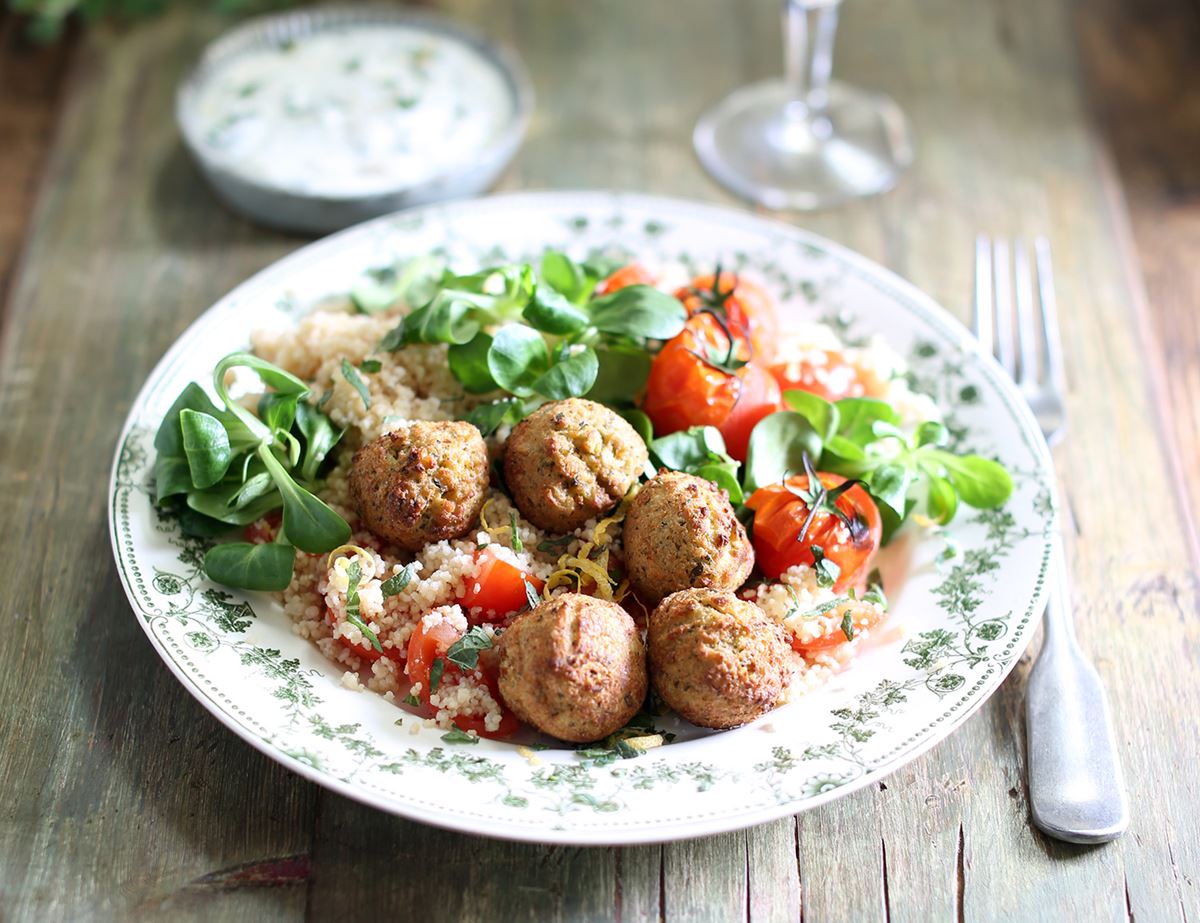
[
  {"x": 30, "y": 88},
  {"x": 125, "y": 799},
  {"x": 1143, "y": 71}
]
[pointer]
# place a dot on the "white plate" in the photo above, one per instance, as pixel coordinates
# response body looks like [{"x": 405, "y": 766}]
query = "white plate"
[{"x": 954, "y": 633}]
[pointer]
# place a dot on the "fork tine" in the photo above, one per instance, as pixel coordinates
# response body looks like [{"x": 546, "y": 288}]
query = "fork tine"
[
  {"x": 1002, "y": 273},
  {"x": 1027, "y": 336},
  {"x": 984, "y": 314},
  {"x": 1051, "y": 336}
]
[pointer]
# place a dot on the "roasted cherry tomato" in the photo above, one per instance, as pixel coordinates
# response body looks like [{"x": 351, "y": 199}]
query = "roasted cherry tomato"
[
  {"x": 429, "y": 644},
  {"x": 696, "y": 381},
  {"x": 823, "y": 372},
  {"x": 498, "y": 589},
  {"x": 742, "y": 304},
  {"x": 849, "y": 538},
  {"x": 633, "y": 274}
]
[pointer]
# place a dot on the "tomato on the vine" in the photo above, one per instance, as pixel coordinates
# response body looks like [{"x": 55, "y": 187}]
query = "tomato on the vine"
[
  {"x": 429, "y": 645},
  {"x": 744, "y": 306},
  {"x": 846, "y": 527},
  {"x": 701, "y": 378}
]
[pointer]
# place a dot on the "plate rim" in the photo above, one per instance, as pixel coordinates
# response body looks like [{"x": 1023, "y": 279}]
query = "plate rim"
[{"x": 667, "y": 831}]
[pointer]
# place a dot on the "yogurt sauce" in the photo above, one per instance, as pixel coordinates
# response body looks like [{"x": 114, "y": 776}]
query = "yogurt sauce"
[{"x": 356, "y": 111}]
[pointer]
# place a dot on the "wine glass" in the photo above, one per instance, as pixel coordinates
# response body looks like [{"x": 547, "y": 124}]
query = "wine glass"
[{"x": 804, "y": 141}]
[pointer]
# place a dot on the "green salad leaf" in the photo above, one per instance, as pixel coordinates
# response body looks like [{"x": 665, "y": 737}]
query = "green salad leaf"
[
  {"x": 699, "y": 451},
  {"x": 517, "y": 358},
  {"x": 350, "y": 373},
  {"x": 221, "y": 466},
  {"x": 858, "y": 415},
  {"x": 266, "y": 567},
  {"x": 979, "y": 482},
  {"x": 278, "y": 411},
  {"x": 571, "y": 376},
  {"x": 308, "y": 522},
  {"x": 318, "y": 436},
  {"x": 488, "y": 418},
  {"x": 564, "y": 275},
  {"x": 398, "y": 582},
  {"x": 821, "y": 415},
  {"x": 469, "y": 364},
  {"x": 542, "y": 331},
  {"x": 172, "y": 472},
  {"x": 638, "y": 311},
  {"x": 861, "y": 439},
  {"x": 413, "y": 283},
  {"x": 640, "y": 422},
  {"x": 778, "y": 444},
  {"x": 233, "y": 501},
  {"x": 443, "y": 320},
  {"x": 552, "y": 312},
  {"x": 621, "y": 375}
]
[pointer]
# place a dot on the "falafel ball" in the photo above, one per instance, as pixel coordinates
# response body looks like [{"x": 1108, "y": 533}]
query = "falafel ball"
[
  {"x": 421, "y": 483},
  {"x": 571, "y": 461},
  {"x": 574, "y": 667},
  {"x": 717, "y": 660},
  {"x": 681, "y": 532}
]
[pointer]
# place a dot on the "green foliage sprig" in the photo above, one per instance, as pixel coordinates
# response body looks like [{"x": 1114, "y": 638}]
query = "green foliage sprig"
[
  {"x": 538, "y": 333},
  {"x": 224, "y": 466},
  {"x": 47, "y": 19}
]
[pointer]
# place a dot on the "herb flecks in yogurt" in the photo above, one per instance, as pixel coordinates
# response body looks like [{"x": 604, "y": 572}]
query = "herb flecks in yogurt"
[{"x": 353, "y": 112}]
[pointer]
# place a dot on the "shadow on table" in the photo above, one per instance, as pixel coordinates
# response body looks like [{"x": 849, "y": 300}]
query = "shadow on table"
[
  {"x": 169, "y": 796},
  {"x": 187, "y": 215}
]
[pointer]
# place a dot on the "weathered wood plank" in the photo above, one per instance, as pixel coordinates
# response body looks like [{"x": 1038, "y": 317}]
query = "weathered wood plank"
[
  {"x": 706, "y": 879},
  {"x": 639, "y": 884},
  {"x": 30, "y": 89},
  {"x": 774, "y": 873},
  {"x": 1139, "y": 64},
  {"x": 125, "y": 797},
  {"x": 1136, "y": 63},
  {"x": 919, "y": 821},
  {"x": 366, "y": 863}
]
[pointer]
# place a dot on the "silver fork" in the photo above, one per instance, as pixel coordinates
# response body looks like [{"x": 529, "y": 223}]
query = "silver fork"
[{"x": 1075, "y": 787}]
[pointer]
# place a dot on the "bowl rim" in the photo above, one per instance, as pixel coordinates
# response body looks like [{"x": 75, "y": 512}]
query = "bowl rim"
[{"x": 275, "y": 27}]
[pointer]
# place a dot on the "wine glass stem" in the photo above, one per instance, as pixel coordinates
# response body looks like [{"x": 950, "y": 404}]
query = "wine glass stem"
[{"x": 809, "y": 27}]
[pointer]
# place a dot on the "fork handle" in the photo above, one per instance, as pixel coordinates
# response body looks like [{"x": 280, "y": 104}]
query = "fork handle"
[{"x": 1076, "y": 790}]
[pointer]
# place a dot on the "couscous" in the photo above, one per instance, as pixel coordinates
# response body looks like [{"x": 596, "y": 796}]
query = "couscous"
[{"x": 472, "y": 495}]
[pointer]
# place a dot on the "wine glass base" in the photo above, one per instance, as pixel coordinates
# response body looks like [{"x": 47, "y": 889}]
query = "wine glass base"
[{"x": 764, "y": 146}]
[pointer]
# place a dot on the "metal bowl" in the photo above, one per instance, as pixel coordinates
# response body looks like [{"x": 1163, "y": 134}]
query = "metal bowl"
[{"x": 291, "y": 210}]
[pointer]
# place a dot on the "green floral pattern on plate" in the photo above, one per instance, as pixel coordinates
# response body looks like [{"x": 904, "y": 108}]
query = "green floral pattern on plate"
[{"x": 964, "y": 625}]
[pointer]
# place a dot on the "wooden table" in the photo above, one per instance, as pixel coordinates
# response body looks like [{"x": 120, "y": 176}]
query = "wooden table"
[{"x": 122, "y": 797}]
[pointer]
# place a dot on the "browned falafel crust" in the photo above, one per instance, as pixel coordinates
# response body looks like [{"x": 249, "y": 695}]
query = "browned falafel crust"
[
  {"x": 571, "y": 461},
  {"x": 421, "y": 483},
  {"x": 574, "y": 667},
  {"x": 717, "y": 660},
  {"x": 681, "y": 532}
]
